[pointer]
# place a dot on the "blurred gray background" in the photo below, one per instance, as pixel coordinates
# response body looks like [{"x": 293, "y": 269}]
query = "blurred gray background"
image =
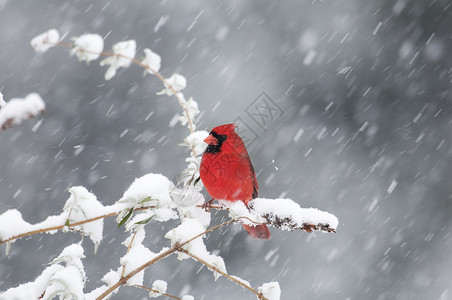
[{"x": 367, "y": 84}]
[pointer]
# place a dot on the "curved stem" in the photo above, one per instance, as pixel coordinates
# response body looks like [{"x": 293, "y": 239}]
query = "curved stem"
[
  {"x": 155, "y": 291},
  {"x": 162, "y": 255},
  {"x": 59, "y": 227},
  {"x": 259, "y": 295},
  {"x": 139, "y": 63}
]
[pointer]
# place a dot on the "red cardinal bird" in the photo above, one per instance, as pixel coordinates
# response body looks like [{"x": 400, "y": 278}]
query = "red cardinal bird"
[{"x": 227, "y": 173}]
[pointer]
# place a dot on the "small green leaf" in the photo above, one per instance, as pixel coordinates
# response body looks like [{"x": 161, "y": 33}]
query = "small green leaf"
[
  {"x": 145, "y": 221},
  {"x": 197, "y": 180},
  {"x": 147, "y": 199},
  {"x": 126, "y": 217},
  {"x": 67, "y": 223}
]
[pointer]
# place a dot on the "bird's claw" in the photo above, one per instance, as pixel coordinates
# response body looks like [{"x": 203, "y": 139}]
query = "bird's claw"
[{"x": 207, "y": 205}]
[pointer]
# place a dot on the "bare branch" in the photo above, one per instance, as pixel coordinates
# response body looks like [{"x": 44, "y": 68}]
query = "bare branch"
[
  {"x": 18, "y": 110},
  {"x": 259, "y": 295},
  {"x": 139, "y": 63},
  {"x": 162, "y": 255},
  {"x": 155, "y": 291},
  {"x": 59, "y": 227}
]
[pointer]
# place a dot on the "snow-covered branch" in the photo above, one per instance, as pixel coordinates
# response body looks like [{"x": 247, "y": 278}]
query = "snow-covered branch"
[
  {"x": 89, "y": 47},
  {"x": 149, "y": 199},
  {"x": 15, "y": 111},
  {"x": 284, "y": 214}
]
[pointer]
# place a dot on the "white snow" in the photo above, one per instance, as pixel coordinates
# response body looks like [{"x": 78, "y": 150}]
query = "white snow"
[
  {"x": 187, "y": 230},
  {"x": 270, "y": 290},
  {"x": 19, "y": 109},
  {"x": 160, "y": 286},
  {"x": 161, "y": 22},
  {"x": 152, "y": 60},
  {"x": 196, "y": 140},
  {"x": 241, "y": 280},
  {"x": 33, "y": 289},
  {"x": 377, "y": 28},
  {"x": 177, "y": 82},
  {"x": 123, "y": 53},
  {"x": 283, "y": 213},
  {"x": 309, "y": 58},
  {"x": 110, "y": 279},
  {"x": 137, "y": 256},
  {"x": 56, "y": 280},
  {"x": 45, "y": 41},
  {"x": 192, "y": 170},
  {"x": 191, "y": 106},
  {"x": 188, "y": 297},
  {"x": 150, "y": 189},
  {"x": 83, "y": 205},
  {"x": 392, "y": 186},
  {"x": 13, "y": 224},
  {"x": 87, "y": 47},
  {"x": 2, "y": 102},
  {"x": 298, "y": 135}
]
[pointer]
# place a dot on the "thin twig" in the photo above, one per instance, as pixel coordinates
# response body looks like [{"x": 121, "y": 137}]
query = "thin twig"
[
  {"x": 139, "y": 63},
  {"x": 306, "y": 227},
  {"x": 155, "y": 291},
  {"x": 162, "y": 255},
  {"x": 59, "y": 227},
  {"x": 128, "y": 250},
  {"x": 259, "y": 295}
]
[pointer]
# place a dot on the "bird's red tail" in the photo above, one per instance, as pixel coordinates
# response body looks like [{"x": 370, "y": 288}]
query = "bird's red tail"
[{"x": 257, "y": 232}]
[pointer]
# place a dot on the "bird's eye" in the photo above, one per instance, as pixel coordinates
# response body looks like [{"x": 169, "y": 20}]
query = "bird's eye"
[{"x": 222, "y": 137}]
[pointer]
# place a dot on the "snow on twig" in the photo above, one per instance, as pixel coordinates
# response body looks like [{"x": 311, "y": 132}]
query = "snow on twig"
[
  {"x": 15, "y": 111},
  {"x": 89, "y": 47},
  {"x": 284, "y": 214},
  {"x": 65, "y": 278}
]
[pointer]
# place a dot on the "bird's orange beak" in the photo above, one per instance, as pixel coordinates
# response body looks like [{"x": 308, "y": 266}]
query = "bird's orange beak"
[{"x": 211, "y": 140}]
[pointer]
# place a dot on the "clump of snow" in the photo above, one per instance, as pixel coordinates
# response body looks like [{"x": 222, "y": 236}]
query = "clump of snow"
[
  {"x": 2, "y": 102},
  {"x": 110, "y": 279},
  {"x": 281, "y": 213},
  {"x": 151, "y": 189},
  {"x": 66, "y": 282},
  {"x": 87, "y": 47},
  {"x": 160, "y": 287},
  {"x": 19, "y": 109},
  {"x": 188, "y": 297},
  {"x": 191, "y": 173},
  {"x": 238, "y": 210},
  {"x": 135, "y": 257},
  {"x": 45, "y": 41},
  {"x": 187, "y": 199},
  {"x": 83, "y": 205},
  {"x": 176, "y": 82},
  {"x": 33, "y": 289},
  {"x": 13, "y": 224},
  {"x": 191, "y": 107},
  {"x": 270, "y": 290},
  {"x": 196, "y": 141},
  {"x": 277, "y": 210},
  {"x": 187, "y": 230},
  {"x": 151, "y": 60},
  {"x": 148, "y": 190},
  {"x": 123, "y": 53},
  {"x": 241, "y": 280},
  {"x": 155, "y": 214}
]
